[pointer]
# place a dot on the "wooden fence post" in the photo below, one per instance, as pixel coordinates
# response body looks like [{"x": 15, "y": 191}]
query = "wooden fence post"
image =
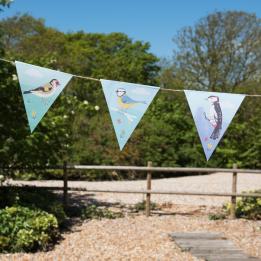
[
  {"x": 65, "y": 185},
  {"x": 234, "y": 190},
  {"x": 148, "y": 188}
]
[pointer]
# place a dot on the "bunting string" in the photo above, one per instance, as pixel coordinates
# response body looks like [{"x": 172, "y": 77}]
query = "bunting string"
[
  {"x": 127, "y": 102},
  {"x": 8, "y": 61},
  {"x": 98, "y": 80},
  {"x": 86, "y": 77}
]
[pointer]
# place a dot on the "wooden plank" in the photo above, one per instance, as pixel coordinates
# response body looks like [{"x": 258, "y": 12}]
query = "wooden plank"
[
  {"x": 205, "y": 242},
  {"x": 211, "y": 257},
  {"x": 227, "y": 258},
  {"x": 139, "y": 168},
  {"x": 185, "y": 193},
  {"x": 65, "y": 186},
  {"x": 234, "y": 190},
  {"x": 163, "y": 169},
  {"x": 148, "y": 195},
  {"x": 236, "y": 259},
  {"x": 196, "y": 235},
  {"x": 215, "y": 252},
  {"x": 210, "y": 246}
]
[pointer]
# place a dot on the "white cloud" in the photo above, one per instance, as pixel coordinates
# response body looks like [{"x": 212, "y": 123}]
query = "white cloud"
[{"x": 34, "y": 73}]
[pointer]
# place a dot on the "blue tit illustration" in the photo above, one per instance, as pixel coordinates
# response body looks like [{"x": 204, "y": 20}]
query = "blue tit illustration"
[
  {"x": 46, "y": 90},
  {"x": 124, "y": 101},
  {"x": 214, "y": 116}
]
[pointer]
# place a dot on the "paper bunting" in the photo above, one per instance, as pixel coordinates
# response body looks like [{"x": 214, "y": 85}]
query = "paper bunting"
[
  {"x": 40, "y": 87},
  {"x": 127, "y": 103},
  {"x": 212, "y": 113}
]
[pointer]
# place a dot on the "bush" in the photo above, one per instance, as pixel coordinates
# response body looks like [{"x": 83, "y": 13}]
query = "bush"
[
  {"x": 248, "y": 207},
  {"x": 23, "y": 229},
  {"x": 33, "y": 198},
  {"x": 94, "y": 212},
  {"x": 141, "y": 206},
  {"x": 218, "y": 216}
]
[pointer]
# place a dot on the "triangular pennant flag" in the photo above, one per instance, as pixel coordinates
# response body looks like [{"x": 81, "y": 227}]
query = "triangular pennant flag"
[
  {"x": 127, "y": 102},
  {"x": 40, "y": 87},
  {"x": 212, "y": 113}
]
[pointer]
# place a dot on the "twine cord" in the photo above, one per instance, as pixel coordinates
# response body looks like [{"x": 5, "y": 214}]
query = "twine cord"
[{"x": 98, "y": 80}]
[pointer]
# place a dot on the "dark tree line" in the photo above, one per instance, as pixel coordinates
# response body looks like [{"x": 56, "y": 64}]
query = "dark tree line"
[{"x": 220, "y": 53}]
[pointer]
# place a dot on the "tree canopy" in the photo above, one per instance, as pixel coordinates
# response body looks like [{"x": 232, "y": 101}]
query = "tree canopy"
[{"x": 220, "y": 53}]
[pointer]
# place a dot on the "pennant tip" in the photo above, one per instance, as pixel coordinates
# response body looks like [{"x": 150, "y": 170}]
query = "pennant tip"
[
  {"x": 32, "y": 129},
  {"x": 207, "y": 158}
]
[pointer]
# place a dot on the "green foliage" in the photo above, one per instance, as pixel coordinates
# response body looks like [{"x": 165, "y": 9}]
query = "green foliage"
[
  {"x": 218, "y": 216},
  {"x": 141, "y": 206},
  {"x": 94, "y": 212},
  {"x": 5, "y": 3},
  {"x": 33, "y": 198},
  {"x": 23, "y": 229},
  {"x": 68, "y": 130},
  {"x": 220, "y": 52},
  {"x": 248, "y": 207},
  {"x": 75, "y": 131}
]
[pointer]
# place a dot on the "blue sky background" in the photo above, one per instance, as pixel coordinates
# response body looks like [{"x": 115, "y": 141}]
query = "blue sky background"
[{"x": 154, "y": 21}]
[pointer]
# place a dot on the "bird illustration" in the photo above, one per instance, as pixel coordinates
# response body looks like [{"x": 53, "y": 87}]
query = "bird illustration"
[
  {"x": 45, "y": 90},
  {"x": 214, "y": 116},
  {"x": 124, "y": 101}
]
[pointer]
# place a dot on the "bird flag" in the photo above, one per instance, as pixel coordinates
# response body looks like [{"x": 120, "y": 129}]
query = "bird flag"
[
  {"x": 212, "y": 113},
  {"x": 40, "y": 87},
  {"x": 127, "y": 103}
]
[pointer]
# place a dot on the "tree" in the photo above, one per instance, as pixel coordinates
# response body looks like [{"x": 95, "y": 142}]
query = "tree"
[
  {"x": 80, "y": 135},
  {"x": 5, "y": 3},
  {"x": 221, "y": 52}
]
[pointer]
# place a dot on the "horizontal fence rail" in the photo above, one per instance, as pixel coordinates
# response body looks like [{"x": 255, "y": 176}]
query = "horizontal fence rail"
[
  {"x": 148, "y": 191},
  {"x": 163, "y": 169},
  {"x": 120, "y": 191},
  {"x": 138, "y": 168}
]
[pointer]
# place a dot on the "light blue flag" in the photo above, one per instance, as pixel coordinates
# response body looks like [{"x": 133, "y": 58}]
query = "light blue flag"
[
  {"x": 212, "y": 113},
  {"x": 127, "y": 102},
  {"x": 40, "y": 87}
]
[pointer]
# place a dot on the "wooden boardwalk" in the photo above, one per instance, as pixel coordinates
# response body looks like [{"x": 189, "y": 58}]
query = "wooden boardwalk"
[{"x": 210, "y": 246}]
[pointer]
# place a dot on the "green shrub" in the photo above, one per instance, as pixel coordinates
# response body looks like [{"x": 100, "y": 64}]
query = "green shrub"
[
  {"x": 141, "y": 206},
  {"x": 218, "y": 216},
  {"x": 33, "y": 198},
  {"x": 23, "y": 229},
  {"x": 248, "y": 207},
  {"x": 94, "y": 212}
]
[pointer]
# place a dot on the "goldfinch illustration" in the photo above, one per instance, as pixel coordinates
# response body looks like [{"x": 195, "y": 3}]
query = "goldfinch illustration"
[{"x": 45, "y": 90}]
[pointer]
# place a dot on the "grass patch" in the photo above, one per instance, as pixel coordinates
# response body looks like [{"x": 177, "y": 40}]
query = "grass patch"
[
  {"x": 141, "y": 206},
  {"x": 94, "y": 212},
  {"x": 218, "y": 216}
]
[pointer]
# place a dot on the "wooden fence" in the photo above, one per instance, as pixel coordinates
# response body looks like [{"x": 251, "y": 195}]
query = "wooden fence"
[{"x": 148, "y": 191}]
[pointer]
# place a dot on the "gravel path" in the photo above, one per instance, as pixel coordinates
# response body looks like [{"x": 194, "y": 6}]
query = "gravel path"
[
  {"x": 219, "y": 182},
  {"x": 140, "y": 238},
  {"x": 136, "y": 238}
]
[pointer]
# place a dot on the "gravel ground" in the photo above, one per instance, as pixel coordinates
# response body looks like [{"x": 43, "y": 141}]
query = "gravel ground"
[
  {"x": 136, "y": 237},
  {"x": 219, "y": 182},
  {"x": 139, "y": 238}
]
